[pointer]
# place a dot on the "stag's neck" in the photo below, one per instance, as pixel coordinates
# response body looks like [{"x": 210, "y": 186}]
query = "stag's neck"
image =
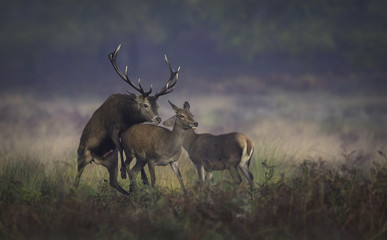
[
  {"x": 131, "y": 114},
  {"x": 189, "y": 138}
]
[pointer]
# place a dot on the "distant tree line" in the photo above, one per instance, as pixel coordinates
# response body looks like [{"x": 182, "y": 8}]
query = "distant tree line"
[{"x": 354, "y": 31}]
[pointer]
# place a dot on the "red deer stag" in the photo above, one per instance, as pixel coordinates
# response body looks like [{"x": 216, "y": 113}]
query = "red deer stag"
[
  {"x": 100, "y": 139},
  {"x": 156, "y": 145},
  {"x": 210, "y": 152}
]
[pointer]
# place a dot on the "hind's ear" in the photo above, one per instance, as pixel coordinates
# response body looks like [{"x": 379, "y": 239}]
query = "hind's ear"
[
  {"x": 186, "y": 105},
  {"x": 173, "y": 106},
  {"x": 170, "y": 121}
]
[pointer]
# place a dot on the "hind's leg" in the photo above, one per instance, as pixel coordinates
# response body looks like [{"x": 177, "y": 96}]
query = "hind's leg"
[
  {"x": 244, "y": 165},
  {"x": 133, "y": 173},
  {"x": 129, "y": 159},
  {"x": 144, "y": 177},
  {"x": 209, "y": 177},
  {"x": 249, "y": 176},
  {"x": 235, "y": 174},
  {"x": 175, "y": 168},
  {"x": 111, "y": 163},
  {"x": 201, "y": 173},
  {"x": 151, "y": 169},
  {"x": 246, "y": 172}
]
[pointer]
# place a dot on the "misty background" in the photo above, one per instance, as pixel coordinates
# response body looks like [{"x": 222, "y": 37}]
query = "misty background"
[
  {"x": 306, "y": 80},
  {"x": 62, "y": 46},
  {"x": 303, "y": 79}
]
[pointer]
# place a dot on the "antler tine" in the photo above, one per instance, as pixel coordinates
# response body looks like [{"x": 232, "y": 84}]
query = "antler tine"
[
  {"x": 150, "y": 89},
  {"x": 170, "y": 85},
  {"x": 113, "y": 57}
]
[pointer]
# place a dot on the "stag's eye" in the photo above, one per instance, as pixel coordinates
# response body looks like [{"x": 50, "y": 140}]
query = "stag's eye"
[{"x": 146, "y": 105}]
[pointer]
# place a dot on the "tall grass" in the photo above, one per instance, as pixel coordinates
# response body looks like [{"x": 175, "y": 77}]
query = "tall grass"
[
  {"x": 318, "y": 200},
  {"x": 317, "y": 172}
]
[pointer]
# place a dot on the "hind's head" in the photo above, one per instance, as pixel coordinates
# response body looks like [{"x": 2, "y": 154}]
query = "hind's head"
[{"x": 183, "y": 117}]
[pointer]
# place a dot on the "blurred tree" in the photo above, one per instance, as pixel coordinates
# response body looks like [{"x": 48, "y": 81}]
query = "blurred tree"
[
  {"x": 58, "y": 36},
  {"x": 68, "y": 23},
  {"x": 33, "y": 32},
  {"x": 353, "y": 31}
]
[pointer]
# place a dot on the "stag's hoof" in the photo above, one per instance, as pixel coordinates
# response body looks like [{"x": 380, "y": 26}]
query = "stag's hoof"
[
  {"x": 145, "y": 181},
  {"x": 123, "y": 173},
  {"x": 132, "y": 188}
]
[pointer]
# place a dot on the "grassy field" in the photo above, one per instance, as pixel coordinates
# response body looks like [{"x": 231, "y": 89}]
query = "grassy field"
[{"x": 320, "y": 171}]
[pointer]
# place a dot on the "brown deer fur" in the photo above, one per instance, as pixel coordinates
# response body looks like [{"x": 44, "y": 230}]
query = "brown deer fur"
[
  {"x": 100, "y": 139},
  {"x": 218, "y": 152},
  {"x": 156, "y": 145},
  {"x": 101, "y": 134}
]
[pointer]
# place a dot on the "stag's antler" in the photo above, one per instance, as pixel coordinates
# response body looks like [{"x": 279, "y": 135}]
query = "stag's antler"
[
  {"x": 112, "y": 57},
  {"x": 170, "y": 85}
]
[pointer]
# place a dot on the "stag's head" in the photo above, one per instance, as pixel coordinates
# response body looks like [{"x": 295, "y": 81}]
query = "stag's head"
[
  {"x": 147, "y": 104},
  {"x": 183, "y": 117},
  {"x": 147, "y": 107}
]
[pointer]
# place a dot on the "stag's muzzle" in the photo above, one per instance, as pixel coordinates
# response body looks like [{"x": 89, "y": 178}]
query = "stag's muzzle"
[{"x": 156, "y": 120}]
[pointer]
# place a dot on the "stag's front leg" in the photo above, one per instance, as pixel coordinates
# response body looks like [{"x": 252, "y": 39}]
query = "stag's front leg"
[
  {"x": 116, "y": 140},
  {"x": 175, "y": 168}
]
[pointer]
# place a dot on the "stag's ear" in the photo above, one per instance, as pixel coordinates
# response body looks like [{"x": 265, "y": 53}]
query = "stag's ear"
[
  {"x": 133, "y": 96},
  {"x": 137, "y": 99},
  {"x": 186, "y": 105},
  {"x": 170, "y": 121},
  {"x": 173, "y": 106}
]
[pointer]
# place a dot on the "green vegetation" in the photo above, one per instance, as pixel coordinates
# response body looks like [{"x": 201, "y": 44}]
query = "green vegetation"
[
  {"x": 307, "y": 186},
  {"x": 317, "y": 200},
  {"x": 320, "y": 165}
]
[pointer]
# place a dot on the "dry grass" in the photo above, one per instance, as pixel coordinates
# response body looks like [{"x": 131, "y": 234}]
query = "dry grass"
[{"x": 308, "y": 138}]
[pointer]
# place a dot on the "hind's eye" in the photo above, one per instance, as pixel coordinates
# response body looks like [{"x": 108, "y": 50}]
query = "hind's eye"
[{"x": 181, "y": 116}]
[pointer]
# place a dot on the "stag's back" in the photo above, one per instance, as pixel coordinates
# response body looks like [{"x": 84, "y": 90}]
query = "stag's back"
[{"x": 114, "y": 113}]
